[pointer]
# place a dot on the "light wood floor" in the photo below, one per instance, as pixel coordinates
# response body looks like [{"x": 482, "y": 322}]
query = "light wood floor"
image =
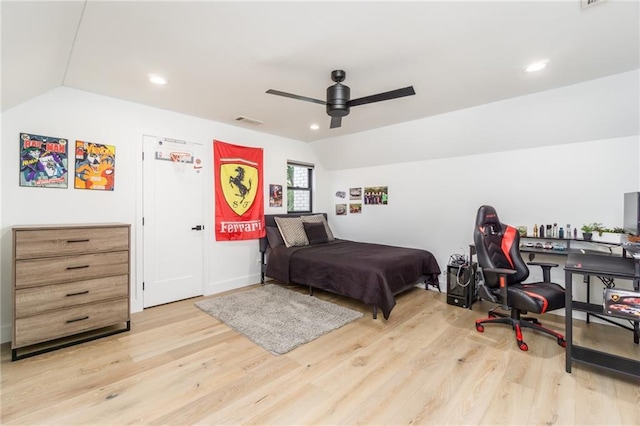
[{"x": 426, "y": 365}]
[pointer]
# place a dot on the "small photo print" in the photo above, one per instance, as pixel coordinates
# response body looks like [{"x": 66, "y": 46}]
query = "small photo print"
[
  {"x": 355, "y": 193},
  {"x": 376, "y": 195},
  {"x": 275, "y": 195},
  {"x": 341, "y": 209},
  {"x": 355, "y": 208}
]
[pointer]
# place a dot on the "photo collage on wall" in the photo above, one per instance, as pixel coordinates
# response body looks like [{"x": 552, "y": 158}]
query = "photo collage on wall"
[
  {"x": 373, "y": 195},
  {"x": 44, "y": 162}
]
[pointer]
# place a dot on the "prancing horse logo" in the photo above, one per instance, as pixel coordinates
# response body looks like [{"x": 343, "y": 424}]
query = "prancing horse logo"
[
  {"x": 241, "y": 190},
  {"x": 237, "y": 180}
]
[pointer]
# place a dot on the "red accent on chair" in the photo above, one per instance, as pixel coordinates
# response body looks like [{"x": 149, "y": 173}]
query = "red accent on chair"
[
  {"x": 545, "y": 302},
  {"x": 507, "y": 243}
]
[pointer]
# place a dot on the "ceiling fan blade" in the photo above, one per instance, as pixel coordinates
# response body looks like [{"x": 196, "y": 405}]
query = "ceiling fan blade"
[
  {"x": 298, "y": 97},
  {"x": 335, "y": 122},
  {"x": 393, "y": 94}
]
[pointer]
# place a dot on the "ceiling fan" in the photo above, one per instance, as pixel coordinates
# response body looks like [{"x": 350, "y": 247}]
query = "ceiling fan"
[{"x": 338, "y": 102}]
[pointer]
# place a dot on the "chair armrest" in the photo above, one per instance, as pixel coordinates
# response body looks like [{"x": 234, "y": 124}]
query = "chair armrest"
[
  {"x": 500, "y": 271},
  {"x": 543, "y": 264},
  {"x": 503, "y": 290},
  {"x": 546, "y": 269}
]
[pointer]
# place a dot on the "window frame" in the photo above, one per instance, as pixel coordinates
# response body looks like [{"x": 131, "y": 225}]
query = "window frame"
[{"x": 309, "y": 189}]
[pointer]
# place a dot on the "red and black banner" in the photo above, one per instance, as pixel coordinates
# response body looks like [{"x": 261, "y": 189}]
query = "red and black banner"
[{"x": 238, "y": 192}]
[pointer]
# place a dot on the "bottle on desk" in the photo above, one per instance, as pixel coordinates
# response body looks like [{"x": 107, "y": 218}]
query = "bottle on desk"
[
  {"x": 541, "y": 234},
  {"x": 535, "y": 230},
  {"x": 561, "y": 232}
]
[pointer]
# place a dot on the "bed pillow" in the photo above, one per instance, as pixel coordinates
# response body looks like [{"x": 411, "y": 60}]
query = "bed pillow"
[
  {"x": 292, "y": 231},
  {"x": 274, "y": 237},
  {"x": 316, "y": 233},
  {"x": 315, "y": 218}
]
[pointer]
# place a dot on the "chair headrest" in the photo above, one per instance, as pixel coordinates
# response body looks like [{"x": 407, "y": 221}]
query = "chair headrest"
[{"x": 487, "y": 217}]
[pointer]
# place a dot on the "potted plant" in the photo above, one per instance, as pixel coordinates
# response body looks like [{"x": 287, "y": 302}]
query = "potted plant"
[
  {"x": 613, "y": 235},
  {"x": 589, "y": 228}
]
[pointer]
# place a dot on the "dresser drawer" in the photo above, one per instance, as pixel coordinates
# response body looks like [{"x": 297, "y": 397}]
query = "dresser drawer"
[
  {"x": 56, "y": 270},
  {"x": 36, "y": 300},
  {"x": 65, "y": 322},
  {"x": 34, "y": 243}
]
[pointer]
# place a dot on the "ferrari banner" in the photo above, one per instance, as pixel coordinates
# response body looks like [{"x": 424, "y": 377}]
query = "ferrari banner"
[{"x": 238, "y": 192}]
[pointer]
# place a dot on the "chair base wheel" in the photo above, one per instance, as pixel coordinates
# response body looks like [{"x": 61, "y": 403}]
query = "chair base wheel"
[
  {"x": 523, "y": 346},
  {"x": 480, "y": 327}
]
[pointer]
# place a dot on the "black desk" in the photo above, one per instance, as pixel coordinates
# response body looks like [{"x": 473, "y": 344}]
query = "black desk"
[{"x": 607, "y": 266}]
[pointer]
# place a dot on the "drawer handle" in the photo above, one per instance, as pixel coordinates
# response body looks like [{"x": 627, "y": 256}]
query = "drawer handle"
[
  {"x": 78, "y": 241},
  {"x": 78, "y": 293},
  {"x": 77, "y": 267},
  {"x": 77, "y": 319}
]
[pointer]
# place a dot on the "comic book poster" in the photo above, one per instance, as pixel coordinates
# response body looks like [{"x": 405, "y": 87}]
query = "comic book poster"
[
  {"x": 43, "y": 161},
  {"x": 95, "y": 166}
]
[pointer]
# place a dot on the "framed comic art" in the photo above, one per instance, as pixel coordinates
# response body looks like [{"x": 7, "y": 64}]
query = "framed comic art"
[
  {"x": 95, "y": 166},
  {"x": 43, "y": 161}
]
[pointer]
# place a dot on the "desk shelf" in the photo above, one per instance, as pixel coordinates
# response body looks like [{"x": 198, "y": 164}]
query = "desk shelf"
[{"x": 610, "y": 266}]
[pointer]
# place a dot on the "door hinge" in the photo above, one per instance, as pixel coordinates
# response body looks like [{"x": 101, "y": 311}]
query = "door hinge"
[
  {"x": 143, "y": 221},
  {"x": 142, "y": 155},
  {"x": 143, "y": 286}
]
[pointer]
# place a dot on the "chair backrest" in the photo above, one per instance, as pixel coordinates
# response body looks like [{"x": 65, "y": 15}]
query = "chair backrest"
[{"x": 497, "y": 246}]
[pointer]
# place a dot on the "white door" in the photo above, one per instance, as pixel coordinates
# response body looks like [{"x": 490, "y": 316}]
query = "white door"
[{"x": 173, "y": 231}]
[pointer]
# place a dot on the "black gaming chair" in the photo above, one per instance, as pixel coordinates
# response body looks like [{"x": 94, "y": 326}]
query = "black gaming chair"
[{"x": 503, "y": 270}]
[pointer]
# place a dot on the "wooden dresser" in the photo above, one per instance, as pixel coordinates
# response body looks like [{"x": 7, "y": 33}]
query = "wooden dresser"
[{"x": 70, "y": 285}]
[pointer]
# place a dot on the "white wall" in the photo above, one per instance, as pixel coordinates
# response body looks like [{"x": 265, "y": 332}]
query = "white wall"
[
  {"x": 78, "y": 115},
  {"x": 433, "y": 204}
]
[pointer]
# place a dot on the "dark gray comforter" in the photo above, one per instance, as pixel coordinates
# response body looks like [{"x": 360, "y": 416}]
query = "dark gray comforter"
[{"x": 371, "y": 273}]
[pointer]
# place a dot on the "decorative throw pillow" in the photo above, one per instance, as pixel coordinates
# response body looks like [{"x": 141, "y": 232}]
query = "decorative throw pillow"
[
  {"x": 316, "y": 233},
  {"x": 292, "y": 231},
  {"x": 315, "y": 218},
  {"x": 274, "y": 237}
]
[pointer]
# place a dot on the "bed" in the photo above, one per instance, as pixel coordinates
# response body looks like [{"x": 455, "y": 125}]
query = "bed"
[{"x": 371, "y": 273}]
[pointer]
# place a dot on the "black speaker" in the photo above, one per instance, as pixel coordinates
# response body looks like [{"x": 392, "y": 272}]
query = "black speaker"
[{"x": 461, "y": 285}]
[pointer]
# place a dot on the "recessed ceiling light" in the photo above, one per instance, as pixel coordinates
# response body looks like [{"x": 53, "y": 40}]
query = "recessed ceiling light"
[
  {"x": 537, "y": 66},
  {"x": 156, "y": 79},
  {"x": 314, "y": 127}
]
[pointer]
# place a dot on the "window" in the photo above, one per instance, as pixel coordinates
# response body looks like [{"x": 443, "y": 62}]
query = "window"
[{"x": 299, "y": 193}]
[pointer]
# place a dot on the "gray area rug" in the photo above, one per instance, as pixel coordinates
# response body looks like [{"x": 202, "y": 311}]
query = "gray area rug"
[{"x": 277, "y": 319}]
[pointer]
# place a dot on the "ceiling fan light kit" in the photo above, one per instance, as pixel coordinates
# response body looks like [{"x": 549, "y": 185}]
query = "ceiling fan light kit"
[{"x": 339, "y": 100}]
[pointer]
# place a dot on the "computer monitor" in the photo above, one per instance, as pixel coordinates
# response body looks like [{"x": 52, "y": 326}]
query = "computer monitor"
[{"x": 631, "y": 222}]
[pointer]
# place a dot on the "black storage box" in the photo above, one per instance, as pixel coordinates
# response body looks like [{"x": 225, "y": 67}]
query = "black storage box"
[{"x": 461, "y": 285}]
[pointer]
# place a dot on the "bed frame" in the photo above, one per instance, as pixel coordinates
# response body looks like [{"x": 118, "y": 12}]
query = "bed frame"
[{"x": 264, "y": 246}]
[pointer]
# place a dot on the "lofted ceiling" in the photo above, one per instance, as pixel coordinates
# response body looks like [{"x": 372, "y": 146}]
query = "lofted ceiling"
[{"x": 220, "y": 57}]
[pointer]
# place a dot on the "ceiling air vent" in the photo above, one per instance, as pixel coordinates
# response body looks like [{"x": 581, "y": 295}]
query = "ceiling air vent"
[
  {"x": 589, "y": 3},
  {"x": 248, "y": 120}
]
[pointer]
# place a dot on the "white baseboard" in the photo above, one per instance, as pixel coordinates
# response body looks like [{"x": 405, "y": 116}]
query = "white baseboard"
[{"x": 222, "y": 286}]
